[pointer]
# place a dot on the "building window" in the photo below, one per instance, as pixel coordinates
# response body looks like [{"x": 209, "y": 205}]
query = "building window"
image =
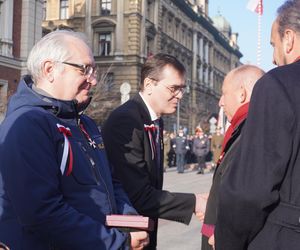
[
  {"x": 45, "y": 10},
  {"x": 108, "y": 80},
  {"x": 105, "y": 7},
  {"x": 3, "y": 98},
  {"x": 104, "y": 44},
  {"x": 64, "y": 9}
]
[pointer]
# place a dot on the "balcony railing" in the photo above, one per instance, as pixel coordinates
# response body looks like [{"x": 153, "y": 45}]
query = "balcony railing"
[{"x": 6, "y": 48}]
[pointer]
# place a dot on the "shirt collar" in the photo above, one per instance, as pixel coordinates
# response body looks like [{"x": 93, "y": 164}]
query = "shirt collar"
[{"x": 153, "y": 115}]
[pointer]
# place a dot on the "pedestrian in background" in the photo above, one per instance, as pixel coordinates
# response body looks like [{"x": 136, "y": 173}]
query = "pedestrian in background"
[
  {"x": 259, "y": 200},
  {"x": 167, "y": 147},
  {"x": 236, "y": 92},
  {"x": 216, "y": 146},
  {"x": 181, "y": 146},
  {"x": 200, "y": 149},
  {"x": 172, "y": 155},
  {"x": 56, "y": 187}
]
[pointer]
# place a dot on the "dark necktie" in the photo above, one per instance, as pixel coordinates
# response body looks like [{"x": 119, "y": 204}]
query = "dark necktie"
[{"x": 157, "y": 140}]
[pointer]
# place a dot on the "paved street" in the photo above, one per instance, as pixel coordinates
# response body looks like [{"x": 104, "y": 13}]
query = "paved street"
[{"x": 177, "y": 236}]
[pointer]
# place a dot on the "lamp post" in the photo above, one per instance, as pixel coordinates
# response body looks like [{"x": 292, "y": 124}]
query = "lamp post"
[{"x": 178, "y": 117}]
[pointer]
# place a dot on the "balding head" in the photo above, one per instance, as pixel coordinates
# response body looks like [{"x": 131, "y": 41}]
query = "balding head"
[{"x": 237, "y": 88}]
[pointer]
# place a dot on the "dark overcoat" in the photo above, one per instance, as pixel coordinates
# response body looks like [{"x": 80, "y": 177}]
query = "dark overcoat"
[
  {"x": 129, "y": 150},
  {"x": 259, "y": 198},
  {"x": 211, "y": 206}
]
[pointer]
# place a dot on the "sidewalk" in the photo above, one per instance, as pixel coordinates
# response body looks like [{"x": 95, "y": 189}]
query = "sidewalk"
[{"x": 174, "y": 235}]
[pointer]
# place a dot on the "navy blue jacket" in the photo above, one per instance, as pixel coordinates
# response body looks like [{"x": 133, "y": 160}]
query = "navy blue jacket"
[{"x": 41, "y": 207}]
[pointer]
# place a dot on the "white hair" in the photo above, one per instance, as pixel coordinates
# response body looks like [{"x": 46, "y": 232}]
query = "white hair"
[{"x": 53, "y": 46}]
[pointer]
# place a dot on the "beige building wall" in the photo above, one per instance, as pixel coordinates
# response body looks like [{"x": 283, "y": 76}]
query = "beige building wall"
[
  {"x": 20, "y": 28},
  {"x": 124, "y": 33}
]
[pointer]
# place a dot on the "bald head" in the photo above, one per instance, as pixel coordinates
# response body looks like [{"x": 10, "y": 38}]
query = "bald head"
[{"x": 237, "y": 88}]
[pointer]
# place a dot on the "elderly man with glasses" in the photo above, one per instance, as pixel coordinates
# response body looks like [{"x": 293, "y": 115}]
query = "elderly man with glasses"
[
  {"x": 133, "y": 139},
  {"x": 55, "y": 182}
]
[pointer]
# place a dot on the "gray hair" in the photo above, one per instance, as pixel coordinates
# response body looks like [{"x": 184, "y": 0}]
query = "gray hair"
[
  {"x": 288, "y": 16},
  {"x": 53, "y": 46},
  {"x": 247, "y": 75}
]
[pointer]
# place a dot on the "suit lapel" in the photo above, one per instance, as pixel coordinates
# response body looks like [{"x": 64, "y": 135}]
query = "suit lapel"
[{"x": 146, "y": 119}]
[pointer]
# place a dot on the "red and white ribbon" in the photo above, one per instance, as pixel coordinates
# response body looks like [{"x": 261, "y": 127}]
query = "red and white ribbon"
[
  {"x": 149, "y": 129},
  {"x": 67, "y": 150}
]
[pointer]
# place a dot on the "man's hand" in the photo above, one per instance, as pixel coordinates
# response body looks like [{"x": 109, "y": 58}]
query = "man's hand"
[
  {"x": 211, "y": 241},
  {"x": 139, "y": 240},
  {"x": 201, "y": 200}
]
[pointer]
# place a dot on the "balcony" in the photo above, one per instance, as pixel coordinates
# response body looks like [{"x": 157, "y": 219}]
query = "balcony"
[{"x": 6, "y": 48}]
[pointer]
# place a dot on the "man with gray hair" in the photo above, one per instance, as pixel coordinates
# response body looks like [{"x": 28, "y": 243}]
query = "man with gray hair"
[
  {"x": 259, "y": 198},
  {"x": 236, "y": 93},
  {"x": 55, "y": 182}
]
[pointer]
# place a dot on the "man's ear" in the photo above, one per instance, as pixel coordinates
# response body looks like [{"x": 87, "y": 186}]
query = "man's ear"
[
  {"x": 289, "y": 40},
  {"x": 242, "y": 94},
  {"x": 148, "y": 85},
  {"x": 48, "y": 70}
]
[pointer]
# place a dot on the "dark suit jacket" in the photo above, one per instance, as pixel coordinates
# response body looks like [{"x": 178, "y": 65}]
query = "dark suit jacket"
[
  {"x": 259, "y": 198},
  {"x": 128, "y": 148},
  {"x": 211, "y": 207}
]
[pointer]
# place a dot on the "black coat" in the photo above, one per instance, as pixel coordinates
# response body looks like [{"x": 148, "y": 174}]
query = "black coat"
[
  {"x": 211, "y": 206},
  {"x": 259, "y": 198},
  {"x": 128, "y": 148}
]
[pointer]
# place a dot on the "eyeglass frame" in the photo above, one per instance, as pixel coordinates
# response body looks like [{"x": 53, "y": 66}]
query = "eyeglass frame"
[
  {"x": 175, "y": 90},
  {"x": 84, "y": 69}
]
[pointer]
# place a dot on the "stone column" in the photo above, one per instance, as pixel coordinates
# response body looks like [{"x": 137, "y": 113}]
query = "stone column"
[
  {"x": 201, "y": 74},
  {"x": 88, "y": 19},
  {"x": 6, "y": 19},
  {"x": 211, "y": 79},
  {"x": 143, "y": 39},
  {"x": 206, "y": 50},
  {"x": 32, "y": 14},
  {"x": 194, "y": 62},
  {"x": 201, "y": 48},
  {"x": 119, "y": 29}
]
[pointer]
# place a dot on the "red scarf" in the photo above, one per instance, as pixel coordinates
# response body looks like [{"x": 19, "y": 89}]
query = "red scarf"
[
  {"x": 298, "y": 58},
  {"x": 239, "y": 116}
]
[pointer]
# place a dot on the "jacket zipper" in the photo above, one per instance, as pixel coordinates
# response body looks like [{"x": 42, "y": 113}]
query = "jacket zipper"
[{"x": 95, "y": 170}]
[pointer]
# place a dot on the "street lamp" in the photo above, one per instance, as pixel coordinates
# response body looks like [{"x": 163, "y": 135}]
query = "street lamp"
[{"x": 178, "y": 116}]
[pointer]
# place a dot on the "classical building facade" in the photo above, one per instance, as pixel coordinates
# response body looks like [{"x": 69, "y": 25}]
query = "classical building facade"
[
  {"x": 20, "y": 28},
  {"x": 123, "y": 33}
]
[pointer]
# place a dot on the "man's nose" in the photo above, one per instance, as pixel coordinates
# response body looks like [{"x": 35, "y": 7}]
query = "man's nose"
[{"x": 92, "y": 80}]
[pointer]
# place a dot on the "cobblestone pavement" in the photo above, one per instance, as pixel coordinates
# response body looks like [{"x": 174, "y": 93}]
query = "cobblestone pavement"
[{"x": 174, "y": 235}]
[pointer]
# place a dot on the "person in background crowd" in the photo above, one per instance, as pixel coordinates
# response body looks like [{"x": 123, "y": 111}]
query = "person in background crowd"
[
  {"x": 133, "y": 139},
  {"x": 180, "y": 146},
  {"x": 56, "y": 187},
  {"x": 236, "y": 92},
  {"x": 259, "y": 201},
  {"x": 172, "y": 159},
  {"x": 167, "y": 147},
  {"x": 190, "y": 157},
  {"x": 216, "y": 146},
  {"x": 200, "y": 149}
]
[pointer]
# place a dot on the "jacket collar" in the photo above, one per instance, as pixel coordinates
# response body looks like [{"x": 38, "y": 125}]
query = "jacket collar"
[{"x": 30, "y": 96}]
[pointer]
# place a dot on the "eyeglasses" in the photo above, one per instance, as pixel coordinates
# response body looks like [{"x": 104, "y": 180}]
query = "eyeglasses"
[
  {"x": 86, "y": 70},
  {"x": 175, "y": 89}
]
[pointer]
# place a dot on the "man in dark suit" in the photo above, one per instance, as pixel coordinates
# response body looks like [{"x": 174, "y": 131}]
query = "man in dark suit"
[
  {"x": 259, "y": 199},
  {"x": 236, "y": 92},
  {"x": 133, "y": 140}
]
